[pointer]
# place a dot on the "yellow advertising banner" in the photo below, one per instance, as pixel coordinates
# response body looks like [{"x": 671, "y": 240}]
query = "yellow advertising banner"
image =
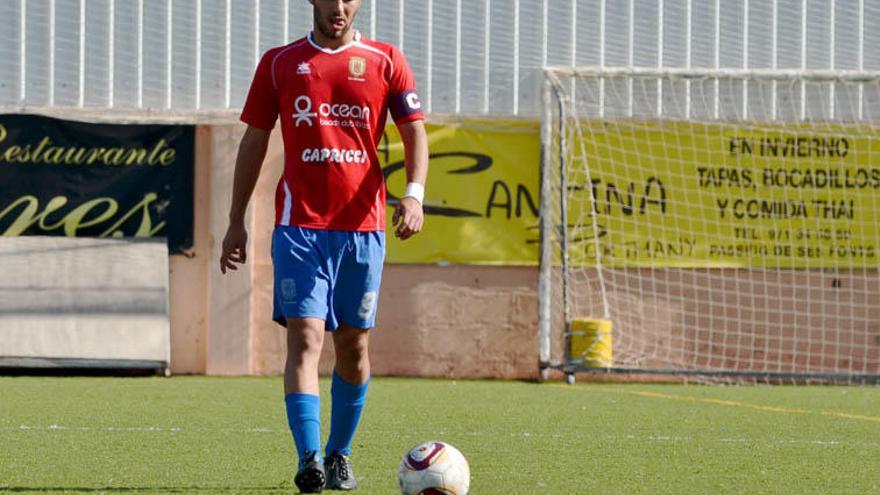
[
  {"x": 716, "y": 195},
  {"x": 481, "y": 200},
  {"x": 657, "y": 194}
]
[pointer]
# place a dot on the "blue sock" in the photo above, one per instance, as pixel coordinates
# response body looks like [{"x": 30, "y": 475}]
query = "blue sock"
[
  {"x": 304, "y": 418},
  {"x": 348, "y": 403}
]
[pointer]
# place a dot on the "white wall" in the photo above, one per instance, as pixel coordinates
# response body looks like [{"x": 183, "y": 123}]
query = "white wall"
[{"x": 188, "y": 55}]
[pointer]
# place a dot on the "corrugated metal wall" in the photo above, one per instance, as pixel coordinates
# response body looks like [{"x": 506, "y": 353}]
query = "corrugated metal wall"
[{"x": 471, "y": 57}]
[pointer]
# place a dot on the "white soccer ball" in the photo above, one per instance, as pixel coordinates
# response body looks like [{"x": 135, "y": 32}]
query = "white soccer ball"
[{"x": 434, "y": 468}]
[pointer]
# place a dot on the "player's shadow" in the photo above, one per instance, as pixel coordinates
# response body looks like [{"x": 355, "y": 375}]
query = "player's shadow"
[{"x": 147, "y": 489}]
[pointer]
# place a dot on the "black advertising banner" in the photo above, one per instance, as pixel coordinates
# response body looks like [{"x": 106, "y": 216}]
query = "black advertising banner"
[{"x": 77, "y": 179}]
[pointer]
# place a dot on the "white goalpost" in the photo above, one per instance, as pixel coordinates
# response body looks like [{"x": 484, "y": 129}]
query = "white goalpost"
[{"x": 722, "y": 225}]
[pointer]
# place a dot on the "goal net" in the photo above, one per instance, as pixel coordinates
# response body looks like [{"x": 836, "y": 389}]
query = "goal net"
[{"x": 716, "y": 224}]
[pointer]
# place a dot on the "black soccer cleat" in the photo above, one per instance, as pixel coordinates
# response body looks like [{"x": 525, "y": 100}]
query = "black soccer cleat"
[
  {"x": 340, "y": 475},
  {"x": 310, "y": 477}
]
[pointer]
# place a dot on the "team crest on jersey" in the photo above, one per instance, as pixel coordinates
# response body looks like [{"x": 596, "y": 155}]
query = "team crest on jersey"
[
  {"x": 357, "y": 67},
  {"x": 303, "y": 68}
]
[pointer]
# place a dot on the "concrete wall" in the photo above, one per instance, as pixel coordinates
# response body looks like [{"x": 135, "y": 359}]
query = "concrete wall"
[
  {"x": 188, "y": 278},
  {"x": 84, "y": 299},
  {"x": 481, "y": 321},
  {"x": 460, "y": 321},
  {"x": 788, "y": 321}
]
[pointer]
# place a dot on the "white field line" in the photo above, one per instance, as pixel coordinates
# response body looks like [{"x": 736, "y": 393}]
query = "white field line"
[
  {"x": 729, "y": 403},
  {"x": 523, "y": 435},
  {"x": 666, "y": 438},
  {"x": 132, "y": 429}
]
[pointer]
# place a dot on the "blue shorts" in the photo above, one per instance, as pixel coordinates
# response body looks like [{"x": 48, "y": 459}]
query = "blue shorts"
[{"x": 332, "y": 275}]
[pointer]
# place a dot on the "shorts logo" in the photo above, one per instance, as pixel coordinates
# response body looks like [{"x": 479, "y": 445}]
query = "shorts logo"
[
  {"x": 412, "y": 100},
  {"x": 357, "y": 66},
  {"x": 303, "y": 107},
  {"x": 368, "y": 306},
  {"x": 288, "y": 289}
]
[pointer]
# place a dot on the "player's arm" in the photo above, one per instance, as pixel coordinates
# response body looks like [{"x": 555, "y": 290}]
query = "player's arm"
[
  {"x": 251, "y": 152},
  {"x": 260, "y": 113},
  {"x": 407, "y": 112},
  {"x": 409, "y": 215}
]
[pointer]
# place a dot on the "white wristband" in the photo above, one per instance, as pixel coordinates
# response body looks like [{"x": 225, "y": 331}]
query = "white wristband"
[{"x": 416, "y": 191}]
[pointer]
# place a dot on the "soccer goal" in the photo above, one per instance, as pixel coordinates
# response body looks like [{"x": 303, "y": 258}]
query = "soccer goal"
[{"x": 713, "y": 224}]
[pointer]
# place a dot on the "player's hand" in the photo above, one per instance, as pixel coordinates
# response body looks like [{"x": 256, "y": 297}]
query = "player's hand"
[
  {"x": 408, "y": 218},
  {"x": 234, "y": 247}
]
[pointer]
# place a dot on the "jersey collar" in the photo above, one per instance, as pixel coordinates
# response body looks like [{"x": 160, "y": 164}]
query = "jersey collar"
[{"x": 356, "y": 40}]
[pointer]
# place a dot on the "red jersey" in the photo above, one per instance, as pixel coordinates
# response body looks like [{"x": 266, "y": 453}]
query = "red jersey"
[{"x": 333, "y": 105}]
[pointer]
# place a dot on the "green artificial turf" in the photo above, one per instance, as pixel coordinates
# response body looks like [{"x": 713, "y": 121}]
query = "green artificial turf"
[{"x": 229, "y": 435}]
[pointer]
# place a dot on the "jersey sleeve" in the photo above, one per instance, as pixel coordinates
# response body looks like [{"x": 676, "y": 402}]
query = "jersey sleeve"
[
  {"x": 261, "y": 107},
  {"x": 404, "y": 102}
]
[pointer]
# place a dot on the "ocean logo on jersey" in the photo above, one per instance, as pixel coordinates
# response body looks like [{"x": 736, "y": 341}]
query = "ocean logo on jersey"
[
  {"x": 303, "y": 68},
  {"x": 331, "y": 114},
  {"x": 357, "y": 67},
  {"x": 304, "y": 113}
]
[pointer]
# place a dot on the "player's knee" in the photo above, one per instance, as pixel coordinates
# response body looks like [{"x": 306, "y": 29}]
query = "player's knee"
[
  {"x": 311, "y": 343},
  {"x": 352, "y": 350},
  {"x": 304, "y": 340}
]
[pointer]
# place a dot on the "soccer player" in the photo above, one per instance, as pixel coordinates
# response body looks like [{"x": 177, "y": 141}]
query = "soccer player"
[{"x": 332, "y": 91}]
